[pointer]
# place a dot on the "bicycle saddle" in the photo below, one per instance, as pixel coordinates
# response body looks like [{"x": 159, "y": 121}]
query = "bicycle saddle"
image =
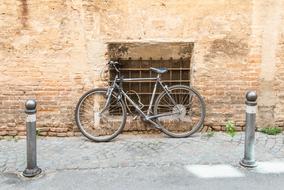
[{"x": 159, "y": 70}]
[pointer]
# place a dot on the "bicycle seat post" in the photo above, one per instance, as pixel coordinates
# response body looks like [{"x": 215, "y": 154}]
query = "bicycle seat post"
[{"x": 158, "y": 76}]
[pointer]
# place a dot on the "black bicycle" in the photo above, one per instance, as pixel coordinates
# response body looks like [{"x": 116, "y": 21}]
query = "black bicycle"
[{"x": 178, "y": 111}]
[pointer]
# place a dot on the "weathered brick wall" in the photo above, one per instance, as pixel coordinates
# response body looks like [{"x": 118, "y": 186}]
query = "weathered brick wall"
[
  {"x": 267, "y": 50},
  {"x": 43, "y": 56},
  {"x": 54, "y": 51},
  {"x": 278, "y": 111}
]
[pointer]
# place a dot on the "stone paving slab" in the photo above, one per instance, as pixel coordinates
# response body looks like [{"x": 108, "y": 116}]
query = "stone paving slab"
[{"x": 136, "y": 151}]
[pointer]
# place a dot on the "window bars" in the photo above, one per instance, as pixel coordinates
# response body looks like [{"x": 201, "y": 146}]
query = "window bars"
[{"x": 178, "y": 73}]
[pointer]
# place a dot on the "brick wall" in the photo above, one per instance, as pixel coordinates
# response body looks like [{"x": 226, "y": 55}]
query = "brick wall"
[{"x": 55, "y": 50}]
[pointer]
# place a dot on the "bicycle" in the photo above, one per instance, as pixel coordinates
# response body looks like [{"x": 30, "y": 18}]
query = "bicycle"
[{"x": 178, "y": 111}]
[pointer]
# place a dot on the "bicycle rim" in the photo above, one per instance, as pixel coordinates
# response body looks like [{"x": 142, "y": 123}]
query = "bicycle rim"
[
  {"x": 97, "y": 121},
  {"x": 189, "y": 106}
]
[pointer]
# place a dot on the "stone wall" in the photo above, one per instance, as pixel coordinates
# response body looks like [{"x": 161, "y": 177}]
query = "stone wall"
[{"x": 55, "y": 50}]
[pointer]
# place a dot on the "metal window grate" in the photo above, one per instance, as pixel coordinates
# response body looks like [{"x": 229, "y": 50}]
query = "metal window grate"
[{"x": 178, "y": 73}]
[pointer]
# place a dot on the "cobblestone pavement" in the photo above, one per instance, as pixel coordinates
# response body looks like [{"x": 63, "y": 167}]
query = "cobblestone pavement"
[{"x": 137, "y": 150}]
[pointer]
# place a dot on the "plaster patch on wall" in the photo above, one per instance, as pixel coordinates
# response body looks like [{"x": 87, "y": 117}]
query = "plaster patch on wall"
[
  {"x": 270, "y": 23},
  {"x": 155, "y": 50},
  {"x": 228, "y": 46}
]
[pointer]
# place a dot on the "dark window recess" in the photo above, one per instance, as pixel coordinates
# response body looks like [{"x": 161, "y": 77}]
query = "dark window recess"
[{"x": 178, "y": 73}]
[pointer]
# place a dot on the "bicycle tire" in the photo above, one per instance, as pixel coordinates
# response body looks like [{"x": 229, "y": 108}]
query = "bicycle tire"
[
  {"x": 169, "y": 124},
  {"x": 97, "y": 130}
]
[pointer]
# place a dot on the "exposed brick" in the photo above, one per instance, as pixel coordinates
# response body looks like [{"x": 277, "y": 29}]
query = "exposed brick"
[
  {"x": 43, "y": 129},
  {"x": 3, "y": 133},
  {"x": 21, "y": 129},
  {"x": 11, "y": 124},
  {"x": 62, "y": 134},
  {"x": 43, "y": 133},
  {"x": 22, "y": 134},
  {"x": 12, "y": 133},
  {"x": 77, "y": 134},
  {"x": 52, "y": 134},
  {"x": 216, "y": 128}
]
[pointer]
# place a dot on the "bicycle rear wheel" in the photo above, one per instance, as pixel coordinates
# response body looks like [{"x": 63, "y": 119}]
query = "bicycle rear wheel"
[
  {"x": 98, "y": 121},
  {"x": 190, "y": 109}
]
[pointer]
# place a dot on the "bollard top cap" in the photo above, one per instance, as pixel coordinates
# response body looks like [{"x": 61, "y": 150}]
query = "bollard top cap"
[
  {"x": 30, "y": 104},
  {"x": 251, "y": 96}
]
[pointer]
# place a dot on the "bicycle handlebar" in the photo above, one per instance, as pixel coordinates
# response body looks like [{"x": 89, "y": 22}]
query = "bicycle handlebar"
[{"x": 114, "y": 64}]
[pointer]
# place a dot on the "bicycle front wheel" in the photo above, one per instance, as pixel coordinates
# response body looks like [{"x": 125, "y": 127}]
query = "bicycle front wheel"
[
  {"x": 98, "y": 120},
  {"x": 184, "y": 111}
]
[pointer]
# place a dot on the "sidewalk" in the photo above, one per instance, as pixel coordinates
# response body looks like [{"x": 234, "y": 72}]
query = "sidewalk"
[{"x": 135, "y": 153}]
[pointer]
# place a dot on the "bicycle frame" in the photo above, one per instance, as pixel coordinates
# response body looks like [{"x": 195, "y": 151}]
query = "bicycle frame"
[{"x": 147, "y": 116}]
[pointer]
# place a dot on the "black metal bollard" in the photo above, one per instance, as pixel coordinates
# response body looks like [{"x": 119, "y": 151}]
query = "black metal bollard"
[
  {"x": 32, "y": 169},
  {"x": 249, "y": 160}
]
